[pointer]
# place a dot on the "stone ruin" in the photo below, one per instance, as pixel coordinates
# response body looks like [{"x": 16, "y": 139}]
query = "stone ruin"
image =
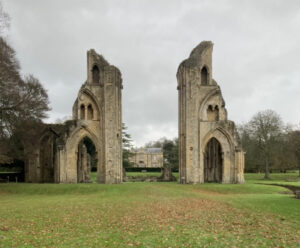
[
  {"x": 209, "y": 146},
  {"x": 63, "y": 153}
]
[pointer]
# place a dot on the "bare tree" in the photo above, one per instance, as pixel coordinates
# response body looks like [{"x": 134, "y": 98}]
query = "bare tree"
[
  {"x": 22, "y": 100},
  {"x": 266, "y": 129}
]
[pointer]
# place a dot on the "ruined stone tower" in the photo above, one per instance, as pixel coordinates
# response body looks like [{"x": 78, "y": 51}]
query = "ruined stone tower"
[
  {"x": 63, "y": 153},
  {"x": 209, "y": 147},
  {"x": 98, "y": 110}
]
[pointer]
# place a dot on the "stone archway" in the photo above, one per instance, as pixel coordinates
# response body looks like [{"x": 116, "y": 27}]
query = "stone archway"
[
  {"x": 222, "y": 143},
  {"x": 213, "y": 161},
  {"x": 86, "y": 160},
  {"x": 203, "y": 116},
  {"x": 76, "y": 148}
]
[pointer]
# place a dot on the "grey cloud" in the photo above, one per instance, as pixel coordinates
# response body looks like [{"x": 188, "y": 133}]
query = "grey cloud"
[{"x": 255, "y": 55}]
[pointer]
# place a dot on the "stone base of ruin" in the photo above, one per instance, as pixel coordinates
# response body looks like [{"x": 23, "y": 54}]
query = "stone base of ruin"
[{"x": 166, "y": 175}]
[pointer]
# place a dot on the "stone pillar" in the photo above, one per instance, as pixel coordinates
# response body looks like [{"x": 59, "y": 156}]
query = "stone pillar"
[
  {"x": 88, "y": 169},
  {"x": 112, "y": 126},
  {"x": 167, "y": 175},
  {"x": 239, "y": 166},
  {"x": 79, "y": 164},
  {"x": 107, "y": 99},
  {"x": 83, "y": 165},
  {"x": 85, "y": 112}
]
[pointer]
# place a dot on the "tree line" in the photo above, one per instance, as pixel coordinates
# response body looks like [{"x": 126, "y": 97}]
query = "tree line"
[{"x": 268, "y": 143}]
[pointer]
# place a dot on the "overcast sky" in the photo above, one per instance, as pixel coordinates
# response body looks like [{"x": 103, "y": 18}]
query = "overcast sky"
[{"x": 256, "y": 57}]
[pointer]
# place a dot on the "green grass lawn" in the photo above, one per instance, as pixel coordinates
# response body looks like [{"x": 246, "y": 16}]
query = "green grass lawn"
[
  {"x": 275, "y": 178},
  {"x": 150, "y": 215},
  {"x": 142, "y": 174}
]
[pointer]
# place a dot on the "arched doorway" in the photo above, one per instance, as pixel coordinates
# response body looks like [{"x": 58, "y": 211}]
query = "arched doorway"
[
  {"x": 213, "y": 161},
  {"x": 86, "y": 161}
]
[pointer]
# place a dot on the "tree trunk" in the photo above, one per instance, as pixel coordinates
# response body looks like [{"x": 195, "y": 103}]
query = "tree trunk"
[{"x": 267, "y": 171}]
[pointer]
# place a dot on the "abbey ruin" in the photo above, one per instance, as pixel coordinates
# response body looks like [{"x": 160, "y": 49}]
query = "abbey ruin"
[
  {"x": 209, "y": 147},
  {"x": 63, "y": 153}
]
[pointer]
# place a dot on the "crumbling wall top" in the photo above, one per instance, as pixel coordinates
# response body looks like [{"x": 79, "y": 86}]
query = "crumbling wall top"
[
  {"x": 195, "y": 57},
  {"x": 97, "y": 58},
  {"x": 198, "y": 50}
]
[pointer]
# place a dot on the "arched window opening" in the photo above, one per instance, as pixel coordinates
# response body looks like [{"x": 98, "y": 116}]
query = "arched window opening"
[
  {"x": 90, "y": 112},
  {"x": 86, "y": 161},
  {"x": 204, "y": 76},
  {"x": 213, "y": 161},
  {"x": 216, "y": 111},
  {"x": 95, "y": 72},
  {"x": 212, "y": 113},
  {"x": 82, "y": 112}
]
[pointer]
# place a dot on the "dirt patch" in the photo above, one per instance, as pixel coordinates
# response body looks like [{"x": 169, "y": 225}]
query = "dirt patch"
[{"x": 4, "y": 228}]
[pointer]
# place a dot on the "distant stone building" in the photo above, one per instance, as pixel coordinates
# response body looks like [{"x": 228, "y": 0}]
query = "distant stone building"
[
  {"x": 147, "y": 158},
  {"x": 62, "y": 153},
  {"x": 209, "y": 146}
]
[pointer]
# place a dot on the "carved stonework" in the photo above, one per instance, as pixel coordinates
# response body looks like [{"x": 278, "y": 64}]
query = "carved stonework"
[
  {"x": 209, "y": 149},
  {"x": 66, "y": 151}
]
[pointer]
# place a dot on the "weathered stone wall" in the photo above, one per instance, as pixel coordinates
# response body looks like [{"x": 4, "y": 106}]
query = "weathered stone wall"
[
  {"x": 202, "y": 116},
  {"x": 96, "y": 115}
]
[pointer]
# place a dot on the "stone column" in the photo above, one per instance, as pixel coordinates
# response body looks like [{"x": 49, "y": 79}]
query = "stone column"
[
  {"x": 239, "y": 166},
  {"x": 85, "y": 112}
]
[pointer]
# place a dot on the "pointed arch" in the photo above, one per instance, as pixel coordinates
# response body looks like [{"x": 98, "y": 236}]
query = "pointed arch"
[
  {"x": 203, "y": 103},
  {"x": 96, "y": 109},
  {"x": 223, "y": 137},
  {"x": 204, "y": 76},
  {"x": 90, "y": 112},
  {"x": 95, "y": 74},
  {"x": 213, "y": 161},
  {"x": 47, "y": 153},
  {"x": 226, "y": 145},
  {"x": 212, "y": 113},
  {"x": 86, "y": 158},
  {"x": 82, "y": 112},
  {"x": 79, "y": 133},
  {"x": 72, "y": 149}
]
